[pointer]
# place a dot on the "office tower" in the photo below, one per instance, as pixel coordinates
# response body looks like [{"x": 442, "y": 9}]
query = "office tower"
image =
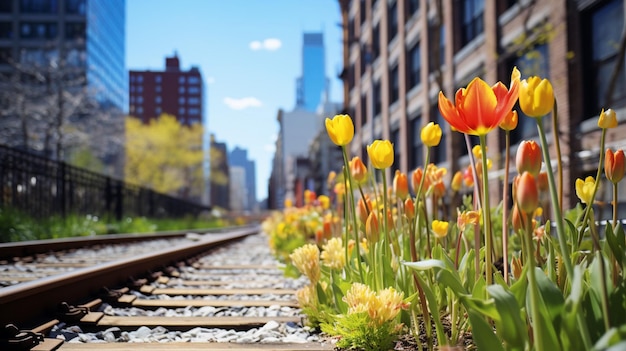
[
  {"x": 313, "y": 82},
  {"x": 89, "y": 34},
  {"x": 399, "y": 54},
  {"x": 238, "y": 157},
  {"x": 172, "y": 91}
]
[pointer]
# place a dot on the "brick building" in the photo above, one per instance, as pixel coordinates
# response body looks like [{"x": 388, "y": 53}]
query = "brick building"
[
  {"x": 398, "y": 55},
  {"x": 173, "y": 91}
]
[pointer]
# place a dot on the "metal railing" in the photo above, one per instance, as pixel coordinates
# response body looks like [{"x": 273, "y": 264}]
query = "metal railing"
[{"x": 42, "y": 187}]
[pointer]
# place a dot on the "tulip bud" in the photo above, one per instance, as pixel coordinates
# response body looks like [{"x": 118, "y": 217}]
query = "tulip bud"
[
  {"x": 372, "y": 229},
  {"x": 614, "y": 165},
  {"x": 431, "y": 134},
  {"x": 518, "y": 218},
  {"x": 340, "y": 129},
  {"x": 416, "y": 178},
  {"x": 457, "y": 181},
  {"x": 528, "y": 157},
  {"x": 608, "y": 119},
  {"x": 381, "y": 154},
  {"x": 468, "y": 177},
  {"x": 527, "y": 193},
  {"x": 358, "y": 170},
  {"x": 439, "y": 189},
  {"x": 536, "y": 96},
  {"x": 584, "y": 189},
  {"x": 516, "y": 267},
  {"x": 542, "y": 182},
  {"x": 409, "y": 208},
  {"x": 364, "y": 207},
  {"x": 400, "y": 185}
]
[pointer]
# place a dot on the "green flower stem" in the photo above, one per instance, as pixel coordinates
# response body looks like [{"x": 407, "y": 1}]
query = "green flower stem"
[
  {"x": 596, "y": 185},
  {"x": 418, "y": 199},
  {"x": 486, "y": 213},
  {"x": 367, "y": 207},
  {"x": 505, "y": 207},
  {"x": 557, "y": 145},
  {"x": 353, "y": 210},
  {"x": 477, "y": 204},
  {"x": 605, "y": 293},
  {"x": 532, "y": 284},
  {"x": 615, "y": 192},
  {"x": 560, "y": 228}
]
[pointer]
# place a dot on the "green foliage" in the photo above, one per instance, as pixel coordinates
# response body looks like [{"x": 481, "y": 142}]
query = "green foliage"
[{"x": 357, "y": 332}]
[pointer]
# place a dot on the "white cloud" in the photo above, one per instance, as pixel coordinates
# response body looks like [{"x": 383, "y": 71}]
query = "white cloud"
[
  {"x": 270, "y": 44},
  {"x": 210, "y": 80},
  {"x": 243, "y": 103}
]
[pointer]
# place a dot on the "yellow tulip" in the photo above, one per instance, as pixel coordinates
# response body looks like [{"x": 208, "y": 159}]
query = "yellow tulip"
[
  {"x": 607, "y": 119},
  {"x": 340, "y": 129},
  {"x": 431, "y": 134},
  {"x": 536, "y": 96},
  {"x": 381, "y": 153},
  {"x": 440, "y": 228},
  {"x": 584, "y": 189}
]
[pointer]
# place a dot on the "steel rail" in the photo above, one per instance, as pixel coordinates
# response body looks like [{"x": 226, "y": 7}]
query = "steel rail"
[
  {"x": 31, "y": 301},
  {"x": 33, "y": 247}
]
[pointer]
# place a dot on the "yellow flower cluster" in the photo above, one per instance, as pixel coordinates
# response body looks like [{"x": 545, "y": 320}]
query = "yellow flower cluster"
[
  {"x": 307, "y": 260},
  {"x": 333, "y": 255},
  {"x": 381, "y": 307}
]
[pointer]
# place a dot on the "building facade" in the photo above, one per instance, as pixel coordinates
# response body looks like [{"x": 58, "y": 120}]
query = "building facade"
[
  {"x": 172, "y": 91},
  {"x": 88, "y": 34},
  {"x": 238, "y": 157},
  {"x": 398, "y": 55},
  {"x": 219, "y": 179},
  {"x": 313, "y": 82}
]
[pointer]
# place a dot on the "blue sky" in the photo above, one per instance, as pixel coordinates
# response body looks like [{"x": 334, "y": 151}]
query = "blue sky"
[{"x": 249, "y": 53}]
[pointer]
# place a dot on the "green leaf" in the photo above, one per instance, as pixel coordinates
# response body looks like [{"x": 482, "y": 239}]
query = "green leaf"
[
  {"x": 483, "y": 333},
  {"x": 614, "y": 339},
  {"x": 550, "y": 294},
  {"x": 509, "y": 325},
  {"x": 551, "y": 303},
  {"x": 424, "y": 265},
  {"x": 617, "y": 246}
]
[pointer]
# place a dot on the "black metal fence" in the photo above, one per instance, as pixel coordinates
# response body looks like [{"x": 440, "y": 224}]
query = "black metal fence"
[{"x": 43, "y": 187}]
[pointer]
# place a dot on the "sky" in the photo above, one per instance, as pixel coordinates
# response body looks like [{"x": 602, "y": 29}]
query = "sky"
[{"x": 249, "y": 53}]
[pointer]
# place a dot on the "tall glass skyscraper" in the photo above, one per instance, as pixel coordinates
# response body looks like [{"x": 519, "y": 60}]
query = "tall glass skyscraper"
[
  {"x": 313, "y": 82},
  {"x": 88, "y": 34}
]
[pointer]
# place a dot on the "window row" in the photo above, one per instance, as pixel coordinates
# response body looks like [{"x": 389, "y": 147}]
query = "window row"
[
  {"x": 192, "y": 80},
  {"x": 158, "y": 100},
  {"x": 77, "y": 7}
]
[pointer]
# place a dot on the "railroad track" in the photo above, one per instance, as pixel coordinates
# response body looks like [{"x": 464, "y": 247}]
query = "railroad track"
[{"x": 220, "y": 291}]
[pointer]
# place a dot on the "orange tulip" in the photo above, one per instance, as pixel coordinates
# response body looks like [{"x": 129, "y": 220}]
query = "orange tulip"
[
  {"x": 528, "y": 157},
  {"x": 527, "y": 194},
  {"x": 614, "y": 165},
  {"x": 372, "y": 229},
  {"x": 480, "y": 108},
  {"x": 457, "y": 181},
  {"x": 542, "y": 182},
  {"x": 358, "y": 170},
  {"x": 409, "y": 208},
  {"x": 510, "y": 121},
  {"x": 400, "y": 185},
  {"x": 363, "y": 208},
  {"x": 416, "y": 178}
]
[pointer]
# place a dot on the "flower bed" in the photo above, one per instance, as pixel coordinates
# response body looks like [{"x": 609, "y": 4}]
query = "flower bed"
[{"x": 383, "y": 263}]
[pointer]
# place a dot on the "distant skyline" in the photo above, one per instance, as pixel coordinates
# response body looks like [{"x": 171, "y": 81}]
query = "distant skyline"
[{"x": 249, "y": 53}]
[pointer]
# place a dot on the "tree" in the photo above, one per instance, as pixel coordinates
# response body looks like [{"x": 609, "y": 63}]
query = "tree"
[
  {"x": 47, "y": 107},
  {"x": 165, "y": 155}
]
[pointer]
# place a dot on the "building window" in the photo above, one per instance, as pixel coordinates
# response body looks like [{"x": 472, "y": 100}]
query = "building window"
[
  {"x": 132, "y": 88},
  {"x": 416, "y": 157},
  {"x": 193, "y": 80},
  {"x": 157, "y": 88},
  {"x": 39, "y": 6},
  {"x": 392, "y": 20},
  {"x": 38, "y": 30},
  {"x": 75, "y": 7},
  {"x": 139, "y": 99},
  {"x": 157, "y": 111},
  {"x": 194, "y": 111},
  {"x": 437, "y": 46},
  {"x": 376, "y": 42},
  {"x": 181, "y": 100},
  {"x": 75, "y": 30},
  {"x": 395, "y": 140},
  {"x": 6, "y": 30},
  {"x": 181, "y": 90},
  {"x": 362, "y": 11},
  {"x": 351, "y": 78},
  {"x": 157, "y": 100},
  {"x": 158, "y": 78},
  {"x": 414, "y": 63},
  {"x": 378, "y": 104},
  {"x": 363, "y": 109},
  {"x": 5, "y": 55},
  {"x": 193, "y": 101},
  {"x": 411, "y": 6},
  {"x": 602, "y": 51},
  {"x": 139, "y": 78},
  {"x": 394, "y": 84},
  {"x": 193, "y": 90},
  {"x": 140, "y": 89},
  {"x": 140, "y": 110},
  {"x": 181, "y": 111},
  {"x": 472, "y": 22},
  {"x": 351, "y": 31},
  {"x": 6, "y": 6},
  {"x": 181, "y": 79}
]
